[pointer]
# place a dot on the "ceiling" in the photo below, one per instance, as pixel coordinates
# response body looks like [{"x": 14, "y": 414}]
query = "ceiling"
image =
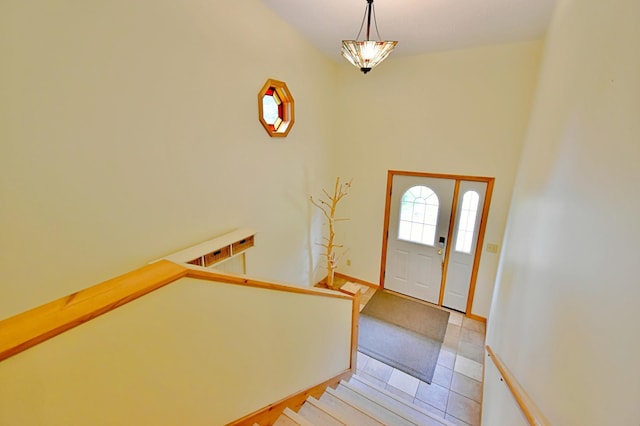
[{"x": 419, "y": 26}]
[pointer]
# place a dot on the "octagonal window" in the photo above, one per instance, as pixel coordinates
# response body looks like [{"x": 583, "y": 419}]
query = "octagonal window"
[{"x": 275, "y": 108}]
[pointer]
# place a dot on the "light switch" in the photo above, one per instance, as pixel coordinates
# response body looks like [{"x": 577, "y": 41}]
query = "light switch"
[{"x": 492, "y": 248}]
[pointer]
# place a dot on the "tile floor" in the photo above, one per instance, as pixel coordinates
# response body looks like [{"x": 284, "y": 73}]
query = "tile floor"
[{"x": 456, "y": 391}]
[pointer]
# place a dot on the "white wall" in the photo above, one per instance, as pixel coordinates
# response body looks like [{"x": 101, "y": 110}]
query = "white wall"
[
  {"x": 564, "y": 315},
  {"x": 129, "y": 130},
  {"x": 461, "y": 112},
  {"x": 191, "y": 353}
]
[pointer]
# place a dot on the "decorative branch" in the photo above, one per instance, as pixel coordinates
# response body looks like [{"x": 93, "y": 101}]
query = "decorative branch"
[{"x": 328, "y": 208}]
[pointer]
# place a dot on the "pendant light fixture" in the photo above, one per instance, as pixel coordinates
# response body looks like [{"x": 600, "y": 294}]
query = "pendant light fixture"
[{"x": 367, "y": 54}]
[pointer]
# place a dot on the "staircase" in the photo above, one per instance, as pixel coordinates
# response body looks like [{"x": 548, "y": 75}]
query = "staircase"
[{"x": 358, "y": 402}]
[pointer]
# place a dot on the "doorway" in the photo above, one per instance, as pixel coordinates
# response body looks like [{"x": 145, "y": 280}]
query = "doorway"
[{"x": 433, "y": 235}]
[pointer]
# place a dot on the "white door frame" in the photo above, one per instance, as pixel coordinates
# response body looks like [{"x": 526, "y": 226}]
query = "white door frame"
[{"x": 481, "y": 232}]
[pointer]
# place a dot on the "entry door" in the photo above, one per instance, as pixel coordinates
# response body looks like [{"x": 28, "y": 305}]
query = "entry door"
[
  {"x": 419, "y": 215},
  {"x": 470, "y": 202}
]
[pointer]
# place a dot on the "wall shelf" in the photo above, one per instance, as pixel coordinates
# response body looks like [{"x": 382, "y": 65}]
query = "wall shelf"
[{"x": 215, "y": 251}]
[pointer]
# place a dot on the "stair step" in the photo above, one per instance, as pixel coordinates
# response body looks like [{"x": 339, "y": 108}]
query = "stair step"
[
  {"x": 377, "y": 410},
  {"x": 319, "y": 414},
  {"x": 291, "y": 418},
  {"x": 362, "y": 403},
  {"x": 351, "y": 288},
  {"x": 395, "y": 403},
  {"x": 297, "y": 417},
  {"x": 351, "y": 413}
]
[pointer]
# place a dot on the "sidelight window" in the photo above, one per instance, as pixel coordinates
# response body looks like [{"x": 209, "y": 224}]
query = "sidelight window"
[{"x": 467, "y": 222}]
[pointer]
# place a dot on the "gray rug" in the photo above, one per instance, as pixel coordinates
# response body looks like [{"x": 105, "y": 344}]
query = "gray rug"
[{"x": 402, "y": 333}]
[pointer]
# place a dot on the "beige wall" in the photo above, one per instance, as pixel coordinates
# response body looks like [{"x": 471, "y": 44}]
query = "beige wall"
[
  {"x": 129, "y": 130},
  {"x": 462, "y": 112},
  {"x": 244, "y": 349},
  {"x": 564, "y": 315}
]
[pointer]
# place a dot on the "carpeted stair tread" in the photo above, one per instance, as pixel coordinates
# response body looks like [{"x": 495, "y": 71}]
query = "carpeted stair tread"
[{"x": 351, "y": 413}]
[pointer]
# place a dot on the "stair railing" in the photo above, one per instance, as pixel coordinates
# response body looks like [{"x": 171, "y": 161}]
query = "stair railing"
[
  {"x": 30, "y": 328},
  {"x": 530, "y": 410}
]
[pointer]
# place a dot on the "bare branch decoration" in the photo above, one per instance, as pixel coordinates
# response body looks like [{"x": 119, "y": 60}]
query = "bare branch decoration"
[{"x": 328, "y": 208}]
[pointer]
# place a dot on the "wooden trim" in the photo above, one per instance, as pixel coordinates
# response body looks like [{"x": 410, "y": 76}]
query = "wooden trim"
[
  {"x": 357, "y": 280},
  {"x": 480, "y": 244},
  {"x": 452, "y": 224},
  {"x": 32, "y": 327},
  {"x": 385, "y": 229},
  {"x": 322, "y": 283},
  {"x": 288, "y": 108},
  {"x": 268, "y": 415},
  {"x": 441, "y": 175},
  {"x": 355, "y": 328},
  {"x": 476, "y": 317},
  {"x": 239, "y": 280},
  {"x": 483, "y": 225},
  {"x": 29, "y": 328},
  {"x": 529, "y": 409}
]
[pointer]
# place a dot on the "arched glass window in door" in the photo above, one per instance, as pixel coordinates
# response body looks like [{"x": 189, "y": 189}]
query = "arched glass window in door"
[
  {"x": 418, "y": 215},
  {"x": 467, "y": 222}
]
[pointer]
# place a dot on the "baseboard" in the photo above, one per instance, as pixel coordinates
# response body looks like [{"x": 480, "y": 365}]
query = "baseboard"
[
  {"x": 377, "y": 287},
  {"x": 322, "y": 282},
  {"x": 268, "y": 415},
  {"x": 356, "y": 280},
  {"x": 476, "y": 317}
]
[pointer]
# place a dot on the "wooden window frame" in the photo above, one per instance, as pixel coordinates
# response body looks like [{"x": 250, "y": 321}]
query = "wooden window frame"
[{"x": 286, "y": 109}]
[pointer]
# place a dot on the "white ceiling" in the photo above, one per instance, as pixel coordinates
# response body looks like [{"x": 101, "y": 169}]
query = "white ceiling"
[{"x": 419, "y": 26}]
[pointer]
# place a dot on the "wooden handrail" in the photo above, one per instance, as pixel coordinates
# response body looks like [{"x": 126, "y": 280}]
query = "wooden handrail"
[
  {"x": 203, "y": 274},
  {"x": 29, "y": 328},
  {"x": 32, "y": 327},
  {"x": 529, "y": 409}
]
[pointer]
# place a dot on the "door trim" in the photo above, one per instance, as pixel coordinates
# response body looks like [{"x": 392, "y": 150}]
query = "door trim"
[
  {"x": 483, "y": 224},
  {"x": 445, "y": 263}
]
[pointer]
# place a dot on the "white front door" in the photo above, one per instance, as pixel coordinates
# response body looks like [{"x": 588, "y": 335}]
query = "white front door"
[
  {"x": 471, "y": 196},
  {"x": 419, "y": 215}
]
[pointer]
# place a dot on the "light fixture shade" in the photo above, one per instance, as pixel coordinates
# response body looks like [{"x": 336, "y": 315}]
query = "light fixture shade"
[{"x": 367, "y": 54}]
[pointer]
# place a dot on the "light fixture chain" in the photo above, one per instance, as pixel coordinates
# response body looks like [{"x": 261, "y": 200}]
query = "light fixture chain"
[
  {"x": 364, "y": 17},
  {"x": 375, "y": 21}
]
